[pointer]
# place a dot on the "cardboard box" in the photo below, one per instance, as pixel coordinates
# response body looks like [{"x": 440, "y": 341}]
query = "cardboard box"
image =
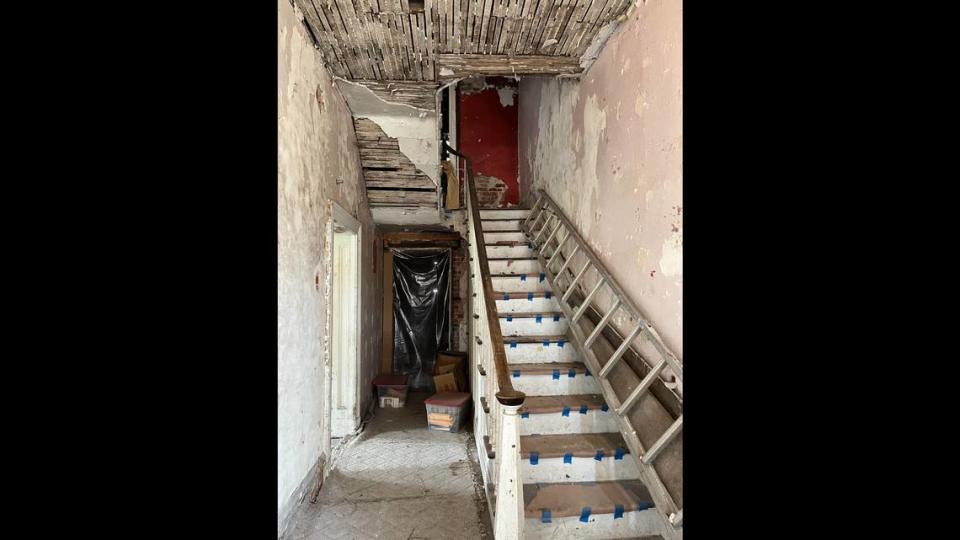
[
  {"x": 446, "y": 382},
  {"x": 454, "y": 363}
]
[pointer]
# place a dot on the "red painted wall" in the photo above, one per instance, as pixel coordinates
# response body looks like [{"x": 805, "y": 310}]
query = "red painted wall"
[{"x": 487, "y": 132}]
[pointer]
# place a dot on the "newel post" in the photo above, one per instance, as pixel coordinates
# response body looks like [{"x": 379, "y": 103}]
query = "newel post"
[{"x": 509, "y": 511}]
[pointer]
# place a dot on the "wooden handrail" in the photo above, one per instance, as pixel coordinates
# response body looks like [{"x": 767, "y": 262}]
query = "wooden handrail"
[{"x": 506, "y": 394}]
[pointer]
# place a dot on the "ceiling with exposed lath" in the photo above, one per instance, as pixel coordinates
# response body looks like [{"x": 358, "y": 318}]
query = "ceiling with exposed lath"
[{"x": 442, "y": 39}]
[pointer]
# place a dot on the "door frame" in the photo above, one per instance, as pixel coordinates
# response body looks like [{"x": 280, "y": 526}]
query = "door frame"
[{"x": 338, "y": 422}]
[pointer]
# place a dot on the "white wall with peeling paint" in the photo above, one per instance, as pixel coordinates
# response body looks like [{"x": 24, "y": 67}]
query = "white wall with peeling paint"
[
  {"x": 317, "y": 161},
  {"x": 608, "y": 148}
]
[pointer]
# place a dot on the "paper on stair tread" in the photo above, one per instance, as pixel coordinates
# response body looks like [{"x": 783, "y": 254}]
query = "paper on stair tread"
[
  {"x": 555, "y": 404},
  {"x": 548, "y": 367},
  {"x": 569, "y": 499},
  {"x": 578, "y": 444}
]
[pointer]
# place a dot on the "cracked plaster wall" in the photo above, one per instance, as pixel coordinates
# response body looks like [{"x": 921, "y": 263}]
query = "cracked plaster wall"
[
  {"x": 608, "y": 150},
  {"x": 317, "y": 161}
]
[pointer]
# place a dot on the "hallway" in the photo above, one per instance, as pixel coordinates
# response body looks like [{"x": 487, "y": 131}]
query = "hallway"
[{"x": 398, "y": 480}]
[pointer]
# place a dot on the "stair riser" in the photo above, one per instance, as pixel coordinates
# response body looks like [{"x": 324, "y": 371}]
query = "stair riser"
[
  {"x": 582, "y": 469},
  {"x": 530, "y": 327},
  {"x": 546, "y": 385},
  {"x": 514, "y": 267},
  {"x": 537, "y": 304},
  {"x": 631, "y": 525},
  {"x": 510, "y": 252},
  {"x": 535, "y": 353},
  {"x": 509, "y": 225},
  {"x": 515, "y": 284},
  {"x": 491, "y": 237},
  {"x": 595, "y": 421},
  {"x": 503, "y": 214}
]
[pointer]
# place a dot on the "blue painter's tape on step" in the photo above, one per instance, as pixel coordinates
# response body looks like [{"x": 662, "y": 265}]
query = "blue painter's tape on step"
[
  {"x": 524, "y": 415},
  {"x": 583, "y": 409},
  {"x": 556, "y": 318},
  {"x": 547, "y": 295},
  {"x": 568, "y": 457},
  {"x": 556, "y": 374},
  {"x": 572, "y": 373},
  {"x": 618, "y": 511},
  {"x": 530, "y": 296},
  {"x": 587, "y": 373},
  {"x": 605, "y": 408},
  {"x": 619, "y": 454},
  {"x": 516, "y": 373},
  {"x": 599, "y": 456},
  {"x": 534, "y": 458},
  {"x": 509, "y": 318},
  {"x": 513, "y": 344},
  {"x": 566, "y": 411},
  {"x": 530, "y": 245},
  {"x": 585, "y": 514},
  {"x": 560, "y": 343},
  {"x": 546, "y": 343},
  {"x": 539, "y": 319},
  {"x": 523, "y": 277},
  {"x": 543, "y": 276},
  {"x": 644, "y": 505},
  {"x": 506, "y": 296},
  {"x": 544, "y": 515}
]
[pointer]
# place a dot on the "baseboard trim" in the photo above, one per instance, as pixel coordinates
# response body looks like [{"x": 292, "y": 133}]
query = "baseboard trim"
[{"x": 311, "y": 481}]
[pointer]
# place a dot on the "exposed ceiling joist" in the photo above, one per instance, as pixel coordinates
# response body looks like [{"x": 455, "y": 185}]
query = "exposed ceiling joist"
[
  {"x": 398, "y": 40},
  {"x": 451, "y": 66}
]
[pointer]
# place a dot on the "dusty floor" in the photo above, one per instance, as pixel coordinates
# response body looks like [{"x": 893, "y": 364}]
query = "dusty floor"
[{"x": 397, "y": 480}]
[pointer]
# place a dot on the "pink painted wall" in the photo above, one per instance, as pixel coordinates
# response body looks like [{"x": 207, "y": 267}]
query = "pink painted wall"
[
  {"x": 487, "y": 132},
  {"x": 608, "y": 149}
]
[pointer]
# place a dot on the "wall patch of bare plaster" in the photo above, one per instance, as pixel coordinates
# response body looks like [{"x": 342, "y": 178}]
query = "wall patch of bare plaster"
[
  {"x": 671, "y": 261},
  {"x": 415, "y": 129},
  {"x": 506, "y": 94}
]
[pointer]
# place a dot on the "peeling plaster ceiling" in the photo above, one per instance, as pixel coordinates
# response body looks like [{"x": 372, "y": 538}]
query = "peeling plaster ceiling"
[{"x": 396, "y": 40}]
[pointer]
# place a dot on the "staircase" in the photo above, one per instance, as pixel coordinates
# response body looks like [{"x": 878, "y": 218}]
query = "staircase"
[{"x": 579, "y": 479}]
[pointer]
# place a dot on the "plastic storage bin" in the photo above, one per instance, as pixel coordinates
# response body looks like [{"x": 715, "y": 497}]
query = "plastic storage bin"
[
  {"x": 391, "y": 390},
  {"x": 446, "y": 411}
]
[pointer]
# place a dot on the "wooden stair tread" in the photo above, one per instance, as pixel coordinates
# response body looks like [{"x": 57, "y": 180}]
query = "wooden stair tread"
[
  {"x": 507, "y": 242},
  {"x": 522, "y": 295},
  {"x": 531, "y": 314},
  {"x": 534, "y": 339},
  {"x": 547, "y": 368},
  {"x": 578, "y": 444},
  {"x": 570, "y": 498},
  {"x": 555, "y": 404}
]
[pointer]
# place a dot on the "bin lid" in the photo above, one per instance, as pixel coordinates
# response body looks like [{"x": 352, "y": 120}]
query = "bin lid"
[
  {"x": 449, "y": 399},
  {"x": 390, "y": 380}
]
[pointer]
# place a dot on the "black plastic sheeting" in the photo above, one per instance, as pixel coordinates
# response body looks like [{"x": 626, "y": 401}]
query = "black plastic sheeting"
[{"x": 421, "y": 308}]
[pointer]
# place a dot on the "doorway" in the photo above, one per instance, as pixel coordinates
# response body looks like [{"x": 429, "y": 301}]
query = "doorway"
[{"x": 344, "y": 323}]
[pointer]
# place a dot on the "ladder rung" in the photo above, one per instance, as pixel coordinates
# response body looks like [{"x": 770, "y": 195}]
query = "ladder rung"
[
  {"x": 546, "y": 224},
  {"x": 567, "y": 262},
  {"x": 620, "y": 350},
  {"x": 641, "y": 388},
  {"x": 549, "y": 238},
  {"x": 603, "y": 322},
  {"x": 663, "y": 441},
  {"x": 559, "y": 247},
  {"x": 575, "y": 280},
  {"x": 586, "y": 302}
]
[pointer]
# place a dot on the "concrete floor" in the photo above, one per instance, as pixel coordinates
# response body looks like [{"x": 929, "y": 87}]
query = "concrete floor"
[{"x": 398, "y": 480}]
